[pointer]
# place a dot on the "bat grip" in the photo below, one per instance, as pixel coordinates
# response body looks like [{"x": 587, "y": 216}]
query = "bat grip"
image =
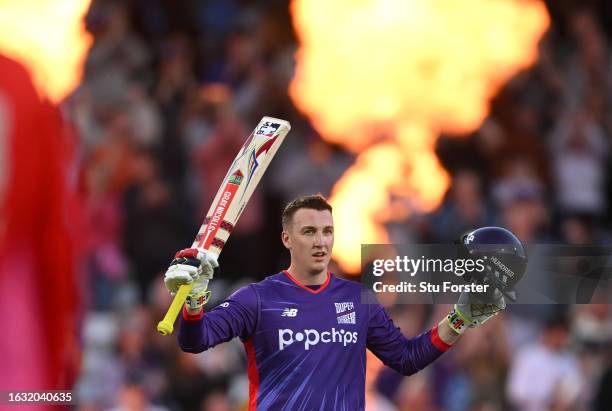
[{"x": 166, "y": 326}]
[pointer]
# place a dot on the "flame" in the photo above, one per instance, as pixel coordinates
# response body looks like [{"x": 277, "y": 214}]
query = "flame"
[
  {"x": 385, "y": 77},
  {"x": 48, "y": 37}
]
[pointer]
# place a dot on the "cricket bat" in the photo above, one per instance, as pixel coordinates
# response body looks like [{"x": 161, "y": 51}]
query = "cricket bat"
[{"x": 233, "y": 195}]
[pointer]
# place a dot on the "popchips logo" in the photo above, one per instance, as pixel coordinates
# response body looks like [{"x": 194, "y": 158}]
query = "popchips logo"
[{"x": 311, "y": 337}]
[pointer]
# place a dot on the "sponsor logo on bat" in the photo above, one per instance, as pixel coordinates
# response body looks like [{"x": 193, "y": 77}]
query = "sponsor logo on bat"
[
  {"x": 224, "y": 225},
  {"x": 218, "y": 214},
  {"x": 268, "y": 129},
  {"x": 236, "y": 178}
]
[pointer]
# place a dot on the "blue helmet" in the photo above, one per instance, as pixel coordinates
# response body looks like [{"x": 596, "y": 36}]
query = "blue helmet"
[{"x": 503, "y": 253}]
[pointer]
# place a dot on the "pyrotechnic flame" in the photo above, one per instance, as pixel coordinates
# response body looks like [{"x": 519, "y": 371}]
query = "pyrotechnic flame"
[
  {"x": 385, "y": 77},
  {"x": 48, "y": 37}
]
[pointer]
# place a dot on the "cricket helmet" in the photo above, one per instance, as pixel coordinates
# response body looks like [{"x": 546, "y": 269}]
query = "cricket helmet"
[{"x": 504, "y": 256}]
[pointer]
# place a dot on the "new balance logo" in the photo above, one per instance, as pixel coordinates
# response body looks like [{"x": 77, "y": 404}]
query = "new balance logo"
[
  {"x": 289, "y": 312},
  {"x": 343, "y": 307},
  {"x": 347, "y": 319}
]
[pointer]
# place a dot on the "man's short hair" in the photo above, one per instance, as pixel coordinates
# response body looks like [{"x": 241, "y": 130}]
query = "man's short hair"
[{"x": 314, "y": 202}]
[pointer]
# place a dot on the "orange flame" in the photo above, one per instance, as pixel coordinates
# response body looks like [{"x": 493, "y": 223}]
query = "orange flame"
[
  {"x": 48, "y": 37},
  {"x": 385, "y": 77}
]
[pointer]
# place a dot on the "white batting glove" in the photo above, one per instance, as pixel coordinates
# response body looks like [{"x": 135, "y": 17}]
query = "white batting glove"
[
  {"x": 471, "y": 312},
  {"x": 191, "y": 265}
]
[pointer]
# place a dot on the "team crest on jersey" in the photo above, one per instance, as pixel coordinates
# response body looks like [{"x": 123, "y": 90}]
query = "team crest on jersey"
[
  {"x": 342, "y": 308},
  {"x": 347, "y": 318},
  {"x": 289, "y": 312}
]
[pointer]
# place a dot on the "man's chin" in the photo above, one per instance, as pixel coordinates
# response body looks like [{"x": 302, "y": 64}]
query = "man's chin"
[{"x": 317, "y": 268}]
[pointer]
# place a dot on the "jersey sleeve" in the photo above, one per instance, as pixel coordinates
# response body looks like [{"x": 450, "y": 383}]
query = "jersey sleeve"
[
  {"x": 406, "y": 356},
  {"x": 236, "y": 317}
]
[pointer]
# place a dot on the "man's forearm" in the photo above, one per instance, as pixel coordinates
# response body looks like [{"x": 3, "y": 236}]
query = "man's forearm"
[{"x": 191, "y": 335}]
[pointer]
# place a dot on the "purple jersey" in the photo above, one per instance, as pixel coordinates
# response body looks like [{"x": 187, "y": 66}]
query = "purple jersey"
[{"x": 306, "y": 348}]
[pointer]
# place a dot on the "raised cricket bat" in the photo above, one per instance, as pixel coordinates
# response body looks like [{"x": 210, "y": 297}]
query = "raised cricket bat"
[{"x": 236, "y": 189}]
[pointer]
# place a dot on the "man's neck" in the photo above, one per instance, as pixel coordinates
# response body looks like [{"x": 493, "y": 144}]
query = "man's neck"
[{"x": 307, "y": 278}]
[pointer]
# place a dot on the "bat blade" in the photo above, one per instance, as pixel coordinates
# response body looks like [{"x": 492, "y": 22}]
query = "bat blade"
[
  {"x": 240, "y": 182},
  {"x": 234, "y": 193}
]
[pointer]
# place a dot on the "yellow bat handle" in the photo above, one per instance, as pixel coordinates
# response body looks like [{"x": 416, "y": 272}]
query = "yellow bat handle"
[{"x": 166, "y": 326}]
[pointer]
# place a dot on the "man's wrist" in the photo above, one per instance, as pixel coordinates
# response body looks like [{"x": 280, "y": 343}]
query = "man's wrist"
[
  {"x": 197, "y": 300},
  {"x": 456, "y": 321},
  {"x": 446, "y": 333},
  {"x": 190, "y": 314},
  {"x": 193, "y": 311}
]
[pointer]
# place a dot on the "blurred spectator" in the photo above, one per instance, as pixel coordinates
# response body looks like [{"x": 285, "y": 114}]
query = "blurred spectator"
[
  {"x": 145, "y": 117},
  {"x": 415, "y": 394},
  {"x": 464, "y": 208},
  {"x": 176, "y": 79},
  {"x": 188, "y": 385},
  {"x": 603, "y": 394},
  {"x": 154, "y": 228},
  {"x": 518, "y": 179},
  {"x": 587, "y": 70},
  {"x": 133, "y": 398},
  {"x": 309, "y": 166},
  {"x": 117, "y": 56},
  {"x": 476, "y": 371},
  {"x": 216, "y": 401},
  {"x": 545, "y": 376},
  {"x": 580, "y": 151},
  {"x": 592, "y": 338},
  {"x": 374, "y": 400},
  {"x": 524, "y": 213},
  {"x": 176, "y": 86},
  {"x": 580, "y": 229},
  {"x": 592, "y": 327},
  {"x": 106, "y": 263},
  {"x": 137, "y": 356}
]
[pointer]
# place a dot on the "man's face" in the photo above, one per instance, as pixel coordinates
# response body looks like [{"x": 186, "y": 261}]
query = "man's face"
[{"x": 309, "y": 237}]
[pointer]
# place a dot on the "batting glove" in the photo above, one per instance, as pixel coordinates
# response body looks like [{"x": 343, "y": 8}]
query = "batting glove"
[
  {"x": 470, "y": 312},
  {"x": 191, "y": 265}
]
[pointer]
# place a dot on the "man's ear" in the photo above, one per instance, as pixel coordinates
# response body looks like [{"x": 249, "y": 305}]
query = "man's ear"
[{"x": 285, "y": 240}]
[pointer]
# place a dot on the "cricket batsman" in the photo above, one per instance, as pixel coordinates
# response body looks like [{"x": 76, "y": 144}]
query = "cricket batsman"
[{"x": 305, "y": 330}]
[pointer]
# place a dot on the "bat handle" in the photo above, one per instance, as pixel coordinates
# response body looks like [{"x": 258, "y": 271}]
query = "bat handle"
[{"x": 166, "y": 326}]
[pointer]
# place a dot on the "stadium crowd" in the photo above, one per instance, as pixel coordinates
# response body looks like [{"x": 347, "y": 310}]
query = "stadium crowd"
[{"x": 169, "y": 92}]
